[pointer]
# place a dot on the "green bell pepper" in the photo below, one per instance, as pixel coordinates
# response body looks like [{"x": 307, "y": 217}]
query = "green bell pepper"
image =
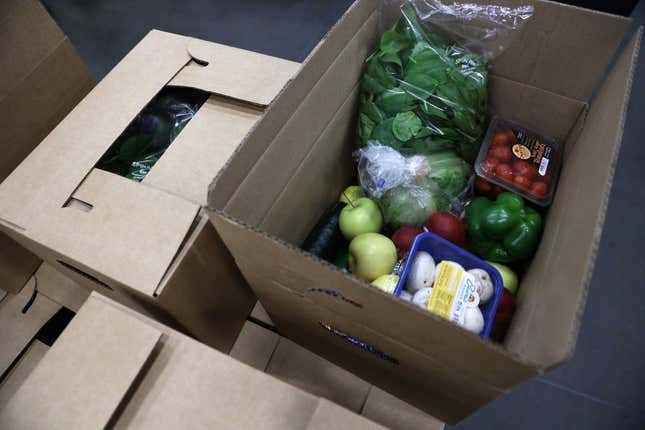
[{"x": 505, "y": 230}]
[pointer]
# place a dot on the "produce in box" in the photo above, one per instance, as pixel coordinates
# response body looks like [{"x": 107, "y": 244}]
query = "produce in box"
[{"x": 504, "y": 230}]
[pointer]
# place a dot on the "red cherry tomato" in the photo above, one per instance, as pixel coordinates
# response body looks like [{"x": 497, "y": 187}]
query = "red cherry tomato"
[
  {"x": 538, "y": 189},
  {"x": 500, "y": 139},
  {"x": 504, "y": 171},
  {"x": 502, "y": 153},
  {"x": 522, "y": 182},
  {"x": 522, "y": 168},
  {"x": 547, "y": 176},
  {"x": 489, "y": 165}
]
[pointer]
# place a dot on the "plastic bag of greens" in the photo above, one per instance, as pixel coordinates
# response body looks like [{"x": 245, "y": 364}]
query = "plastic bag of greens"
[
  {"x": 151, "y": 132},
  {"x": 408, "y": 189},
  {"x": 420, "y": 91}
]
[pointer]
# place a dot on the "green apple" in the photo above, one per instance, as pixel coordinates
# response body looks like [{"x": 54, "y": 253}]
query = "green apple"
[
  {"x": 360, "y": 216},
  {"x": 371, "y": 255},
  {"x": 386, "y": 283},
  {"x": 509, "y": 278},
  {"x": 351, "y": 193}
]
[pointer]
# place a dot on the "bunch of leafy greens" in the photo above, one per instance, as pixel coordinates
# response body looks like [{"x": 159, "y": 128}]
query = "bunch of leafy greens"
[
  {"x": 445, "y": 177},
  {"x": 152, "y": 131},
  {"x": 420, "y": 94}
]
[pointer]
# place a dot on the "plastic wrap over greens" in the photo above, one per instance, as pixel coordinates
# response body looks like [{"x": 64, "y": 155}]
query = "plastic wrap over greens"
[
  {"x": 151, "y": 132},
  {"x": 409, "y": 189},
  {"x": 419, "y": 93}
]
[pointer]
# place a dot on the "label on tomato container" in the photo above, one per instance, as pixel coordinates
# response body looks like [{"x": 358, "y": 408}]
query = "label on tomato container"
[
  {"x": 533, "y": 150},
  {"x": 454, "y": 290}
]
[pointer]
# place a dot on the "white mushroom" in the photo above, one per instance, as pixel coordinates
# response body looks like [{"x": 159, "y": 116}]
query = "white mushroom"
[
  {"x": 473, "y": 320},
  {"x": 422, "y": 297},
  {"x": 484, "y": 284},
  {"x": 421, "y": 273},
  {"x": 405, "y": 295}
]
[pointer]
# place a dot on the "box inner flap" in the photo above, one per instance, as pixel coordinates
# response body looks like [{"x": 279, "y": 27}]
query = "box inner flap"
[
  {"x": 235, "y": 73},
  {"x": 330, "y": 416},
  {"x": 202, "y": 148},
  {"x": 84, "y": 376},
  {"x": 562, "y": 48},
  {"x": 553, "y": 292}
]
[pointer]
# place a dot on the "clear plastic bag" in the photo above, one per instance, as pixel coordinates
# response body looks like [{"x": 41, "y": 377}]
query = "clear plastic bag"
[
  {"x": 408, "y": 189},
  {"x": 420, "y": 93},
  {"x": 151, "y": 132}
]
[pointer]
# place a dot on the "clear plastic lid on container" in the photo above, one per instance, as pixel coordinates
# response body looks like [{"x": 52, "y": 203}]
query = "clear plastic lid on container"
[{"x": 520, "y": 160}]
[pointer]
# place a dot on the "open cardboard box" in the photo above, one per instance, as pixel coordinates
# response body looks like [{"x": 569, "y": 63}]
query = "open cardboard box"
[
  {"x": 148, "y": 244},
  {"x": 282, "y": 179},
  {"x": 114, "y": 368},
  {"x": 41, "y": 79}
]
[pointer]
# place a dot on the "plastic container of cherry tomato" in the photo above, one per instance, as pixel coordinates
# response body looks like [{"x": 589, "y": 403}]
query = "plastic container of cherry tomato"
[{"x": 520, "y": 160}]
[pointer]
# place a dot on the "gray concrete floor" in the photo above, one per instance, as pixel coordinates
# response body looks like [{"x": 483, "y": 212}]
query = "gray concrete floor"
[{"x": 602, "y": 386}]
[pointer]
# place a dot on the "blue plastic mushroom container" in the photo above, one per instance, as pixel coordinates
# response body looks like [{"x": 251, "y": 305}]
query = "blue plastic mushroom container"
[{"x": 440, "y": 249}]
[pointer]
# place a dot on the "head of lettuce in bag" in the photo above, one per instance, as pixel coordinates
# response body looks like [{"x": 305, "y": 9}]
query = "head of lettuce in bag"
[
  {"x": 421, "y": 94},
  {"x": 408, "y": 189}
]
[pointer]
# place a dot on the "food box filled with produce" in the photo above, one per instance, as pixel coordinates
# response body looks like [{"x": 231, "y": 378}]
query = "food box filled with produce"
[
  {"x": 383, "y": 127},
  {"x": 421, "y": 124}
]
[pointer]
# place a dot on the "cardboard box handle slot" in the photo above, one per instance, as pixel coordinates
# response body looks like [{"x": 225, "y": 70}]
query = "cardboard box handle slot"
[{"x": 85, "y": 275}]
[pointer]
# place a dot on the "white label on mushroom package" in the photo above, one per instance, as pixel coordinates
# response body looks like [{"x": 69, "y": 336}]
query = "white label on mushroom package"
[{"x": 454, "y": 290}]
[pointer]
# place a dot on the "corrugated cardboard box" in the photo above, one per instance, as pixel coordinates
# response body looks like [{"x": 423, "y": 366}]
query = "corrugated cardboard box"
[
  {"x": 41, "y": 79},
  {"x": 267, "y": 351},
  {"x": 282, "y": 180},
  {"x": 136, "y": 373},
  {"x": 148, "y": 245}
]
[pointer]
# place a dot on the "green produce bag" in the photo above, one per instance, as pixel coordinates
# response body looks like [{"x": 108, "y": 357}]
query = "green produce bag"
[
  {"x": 151, "y": 132},
  {"x": 420, "y": 93}
]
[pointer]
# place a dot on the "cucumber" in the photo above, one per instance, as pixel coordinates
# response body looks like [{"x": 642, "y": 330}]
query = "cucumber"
[{"x": 325, "y": 238}]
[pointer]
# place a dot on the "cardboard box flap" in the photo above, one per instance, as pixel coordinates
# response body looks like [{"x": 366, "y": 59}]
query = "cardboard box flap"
[
  {"x": 202, "y": 148},
  {"x": 553, "y": 292},
  {"x": 235, "y": 73},
  {"x": 85, "y": 375}
]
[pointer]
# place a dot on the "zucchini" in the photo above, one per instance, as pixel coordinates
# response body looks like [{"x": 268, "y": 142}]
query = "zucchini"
[{"x": 325, "y": 238}]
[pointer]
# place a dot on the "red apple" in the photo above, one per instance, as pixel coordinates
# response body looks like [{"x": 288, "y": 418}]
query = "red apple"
[
  {"x": 506, "y": 307},
  {"x": 404, "y": 237},
  {"x": 447, "y": 226}
]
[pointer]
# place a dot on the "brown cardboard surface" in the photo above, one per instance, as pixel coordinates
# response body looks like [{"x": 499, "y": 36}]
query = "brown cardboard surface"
[
  {"x": 258, "y": 191},
  {"x": 299, "y": 367},
  {"x": 260, "y": 314},
  {"x": 552, "y": 300},
  {"x": 394, "y": 413},
  {"x": 18, "y": 329},
  {"x": 83, "y": 389},
  {"x": 441, "y": 391},
  {"x": 179, "y": 383},
  {"x": 16, "y": 265},
  {"x": 236, "y": 73},
  {"x": 318, "y": 62},
  {"x": 205, "y": 291},
  {"x": 23, "y": 368},
  {"x": 41, "y": 80},
  {"x": 59, "y": 288},
  {"x": 202, "y": 148},
  {"x": 255, "y": 346}
]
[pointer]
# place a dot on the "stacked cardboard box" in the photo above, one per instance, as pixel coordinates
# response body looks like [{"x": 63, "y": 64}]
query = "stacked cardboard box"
[{"x": 41, "y": 79}]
